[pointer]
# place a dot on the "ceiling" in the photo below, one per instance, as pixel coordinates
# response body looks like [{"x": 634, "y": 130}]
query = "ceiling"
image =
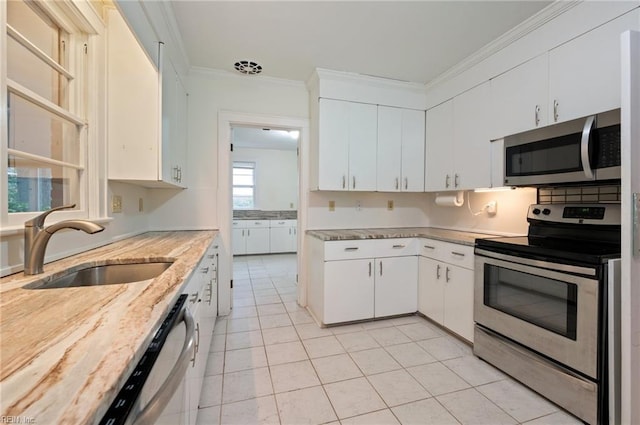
[{"x": 405, "y": 40}]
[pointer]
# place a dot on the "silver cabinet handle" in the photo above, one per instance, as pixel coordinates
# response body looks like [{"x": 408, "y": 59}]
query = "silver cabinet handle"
[
  {"x": 194, "y": 298},
  {"x": 380, "y": 267},
  {"x": 344, "y": 181},
  {"x": 459, "y": 254},
  {"x": 447, "y": 274},
  {"x": 351, "y": 248},
  {"x": 438, "y": 272},
  {"x": 243, "y": 233},
  {"x": 151, "y": 412},
  {"x": 211, "y": 256},
  {"x": 584, "y": 146},
  {"x": 369, "y": 268},
  {"x": 354, "y": 182},
  {"x": 397, "y": 187},
  {"x": 248, "y": 232},
  {"x": 537, "y": 115},
  {"x": 456, "y": 180},
  {"x": 289, "y": 231},
  {"x": 447, "y": 181},
  {"x": 196, "y": 348},
  {"x": 204, "y": 270},
  {"x": 398, "y": 246},
  {"x": 556, "y": 110},
  {"x": 406, "y": 183},
  {"x": 429, "y": 247}
]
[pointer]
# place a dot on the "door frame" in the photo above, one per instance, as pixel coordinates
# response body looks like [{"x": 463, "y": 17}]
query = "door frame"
[{"x": 227, "y": 120}]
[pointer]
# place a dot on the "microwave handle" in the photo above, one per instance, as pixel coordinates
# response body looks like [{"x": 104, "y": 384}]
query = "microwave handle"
[{"x": 584, "y": 146}]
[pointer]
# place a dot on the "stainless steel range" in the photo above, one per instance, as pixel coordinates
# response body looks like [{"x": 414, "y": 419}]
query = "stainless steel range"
[{"x": 546, "y": 306}]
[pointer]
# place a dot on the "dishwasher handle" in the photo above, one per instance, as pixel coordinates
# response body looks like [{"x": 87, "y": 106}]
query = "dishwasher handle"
[{"x": 161, "y": 398}]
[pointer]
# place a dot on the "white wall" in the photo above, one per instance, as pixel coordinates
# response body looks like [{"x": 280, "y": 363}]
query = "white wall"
[
  {"x": 69, "y": 242},
  {"x": 209, "y": 93},
  {"x": 276, "y": 176}
]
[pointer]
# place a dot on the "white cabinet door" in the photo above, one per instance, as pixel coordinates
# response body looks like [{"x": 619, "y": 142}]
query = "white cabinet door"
[
  {"x": 584, "y": 74},
  {"x": 396, "y": 286},
  {"x": 389, "y": 156},
  {"x": 431, "y": 289},
  {"x": 458, "y": 300},
  {"x": 438, "y": 149},
  {"x": 257, "y": 240},
  {"x": 471, "y": 146},
  {"x": 363, "y": 136},
  {"x": 348, "y": 290},
  {"x": 412, "y": 176},
  {"x": 519, "y": 98},
  {"x": 238, "y": 241},
  {"x": 174, "y": 126},
  {"x": 333, "y": 144},
  {"x": 280, "y": 239}
]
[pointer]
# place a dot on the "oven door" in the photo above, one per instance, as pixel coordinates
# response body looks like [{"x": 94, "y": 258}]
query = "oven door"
[{"x": 540, "y": 305}]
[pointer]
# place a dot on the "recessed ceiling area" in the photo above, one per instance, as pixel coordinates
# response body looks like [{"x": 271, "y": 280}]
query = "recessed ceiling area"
[
  {"x": 405, "y": 40},
  {"x": 259, "y": 138}
]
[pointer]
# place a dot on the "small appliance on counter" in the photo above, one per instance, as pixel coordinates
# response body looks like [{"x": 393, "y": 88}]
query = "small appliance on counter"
[{"x": 546, "y": 306}]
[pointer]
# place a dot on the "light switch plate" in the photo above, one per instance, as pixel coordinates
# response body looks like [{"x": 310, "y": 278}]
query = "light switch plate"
[{"x": 390, "y": 205}]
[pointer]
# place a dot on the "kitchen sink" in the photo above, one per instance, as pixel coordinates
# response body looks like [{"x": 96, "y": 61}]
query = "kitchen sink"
[{"x": 109, "y": 274}]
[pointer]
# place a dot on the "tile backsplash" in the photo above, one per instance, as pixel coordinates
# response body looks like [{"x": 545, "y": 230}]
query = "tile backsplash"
[
  {"x": 265, "y": 215},
  {"x": 609, "y": 194}
]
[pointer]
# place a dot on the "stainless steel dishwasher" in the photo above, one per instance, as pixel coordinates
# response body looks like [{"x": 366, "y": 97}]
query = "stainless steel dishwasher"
[{"x": 154, "y": 393}]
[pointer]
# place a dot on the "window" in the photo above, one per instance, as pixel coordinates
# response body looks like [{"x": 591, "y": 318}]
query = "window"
[
  {"x": 46, "y": 136},
  {"x": 244, "y": 183}
]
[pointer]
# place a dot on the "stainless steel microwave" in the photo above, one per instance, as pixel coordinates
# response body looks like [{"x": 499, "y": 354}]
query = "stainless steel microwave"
[{"x": 581, "y": 150}]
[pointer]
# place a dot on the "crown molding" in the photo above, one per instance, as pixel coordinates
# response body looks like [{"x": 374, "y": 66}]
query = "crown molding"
[
  {"x": 531, "y": 24},
  {"x": 354, "y": 77},
  {"x": 258, "y": 79},
  {"x": 171, "y": 24}
]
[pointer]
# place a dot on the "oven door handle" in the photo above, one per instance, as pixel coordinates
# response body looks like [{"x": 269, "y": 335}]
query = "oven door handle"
[
  {"x": 566, "y": 268},
  {"x": 584, "y": 146},
  {"x": 161, "y": 398}
]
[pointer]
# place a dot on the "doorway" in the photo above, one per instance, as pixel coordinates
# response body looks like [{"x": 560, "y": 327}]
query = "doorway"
[{"x": 254, "y": 148}]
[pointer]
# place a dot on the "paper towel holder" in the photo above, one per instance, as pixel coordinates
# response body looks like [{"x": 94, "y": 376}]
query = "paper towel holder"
[{"x": 450, "y": 199}]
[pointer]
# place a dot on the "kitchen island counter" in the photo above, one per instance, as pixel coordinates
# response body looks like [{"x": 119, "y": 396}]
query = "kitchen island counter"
[
  {"x": 66, "y": 352},
  {"x": 455, "y": 236}
]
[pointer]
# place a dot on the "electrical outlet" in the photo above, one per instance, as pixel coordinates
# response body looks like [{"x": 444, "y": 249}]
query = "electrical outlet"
[
  {"x": 390, "y": 205},
  {"x": 358, "y": 205},
  {"x": 290, "y": 204},
  {"x": 116, "y": 204},
  {"x": 492, "y": 208},
  {"x": 140, "y": 205},
  {"x": 332, "y": 206}
]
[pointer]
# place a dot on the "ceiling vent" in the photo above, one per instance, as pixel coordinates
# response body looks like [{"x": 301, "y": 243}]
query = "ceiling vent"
[{"x": 248, "y": 67}]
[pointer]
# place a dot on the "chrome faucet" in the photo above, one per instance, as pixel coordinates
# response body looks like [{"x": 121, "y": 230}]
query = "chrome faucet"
[{"x": 36, "y": 237}]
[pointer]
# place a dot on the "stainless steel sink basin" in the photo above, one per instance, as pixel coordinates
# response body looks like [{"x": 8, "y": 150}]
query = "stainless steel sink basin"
[{"x": 108, "y": 274}]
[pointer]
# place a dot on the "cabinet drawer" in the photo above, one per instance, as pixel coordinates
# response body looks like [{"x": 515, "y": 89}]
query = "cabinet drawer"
[
  {"x": 239, "y": 224},
  {"x": 452, "y": 253},
  {"x": 348, "y": 250},
  {"x": 256, "y": 223},
  {"x": 282, "y": 223},
  {"x": 396, "y": 247}
]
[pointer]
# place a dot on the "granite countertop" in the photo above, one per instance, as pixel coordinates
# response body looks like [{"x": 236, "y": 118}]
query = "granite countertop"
[
  {"x": 66, "y": 352},
  {"x": 455, "y": 236}
]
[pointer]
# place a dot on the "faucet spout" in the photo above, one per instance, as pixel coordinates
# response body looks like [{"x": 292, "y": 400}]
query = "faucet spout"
[{"x": 37, "y": 237}]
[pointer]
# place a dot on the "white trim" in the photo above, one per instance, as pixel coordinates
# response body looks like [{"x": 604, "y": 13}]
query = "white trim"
[
  {"x": 226, "y": 120},
  {"x": 174, "y": 33},
  {"x": 219, "y": 74},
  {"x": 36, "y": 99},
  {"x": 531, "y": 24},
  {"x": 22, "y": 40},
  {"x": 43, "y": 159}
]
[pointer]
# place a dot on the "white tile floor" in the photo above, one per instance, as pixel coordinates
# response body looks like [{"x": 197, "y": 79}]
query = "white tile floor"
[{"x": 271, "y": 364}]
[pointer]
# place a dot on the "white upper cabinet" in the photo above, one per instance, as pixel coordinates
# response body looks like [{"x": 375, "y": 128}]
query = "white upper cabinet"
[
  {"x": 584, "y": 74},
  {"x": 146, "y": 113},
  {"x": 400, "y": 166},
  {"x": 174, "y": 126},
  {"x": 458, "y": 151},
  {"x": 347, "y": 145},
  {"x": 519, "y": 98}
]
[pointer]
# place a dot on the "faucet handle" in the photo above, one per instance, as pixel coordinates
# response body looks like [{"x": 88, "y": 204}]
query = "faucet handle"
[{"x": 38, "y": 221}]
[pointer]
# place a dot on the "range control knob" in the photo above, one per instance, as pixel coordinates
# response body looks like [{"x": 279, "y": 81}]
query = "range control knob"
[
  {"x": 536, "y": 211},
  {"x": 546, "y": 211}
]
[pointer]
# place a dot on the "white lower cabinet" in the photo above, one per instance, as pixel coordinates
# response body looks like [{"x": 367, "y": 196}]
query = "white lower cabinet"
[
  {"x": 283, "y": 236},
  {"x": 445, "y": 289},
  {"x": 202, "y": 290},
  {"x": 250, "y": 237},
  {"x": 348, "y": 283}
]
